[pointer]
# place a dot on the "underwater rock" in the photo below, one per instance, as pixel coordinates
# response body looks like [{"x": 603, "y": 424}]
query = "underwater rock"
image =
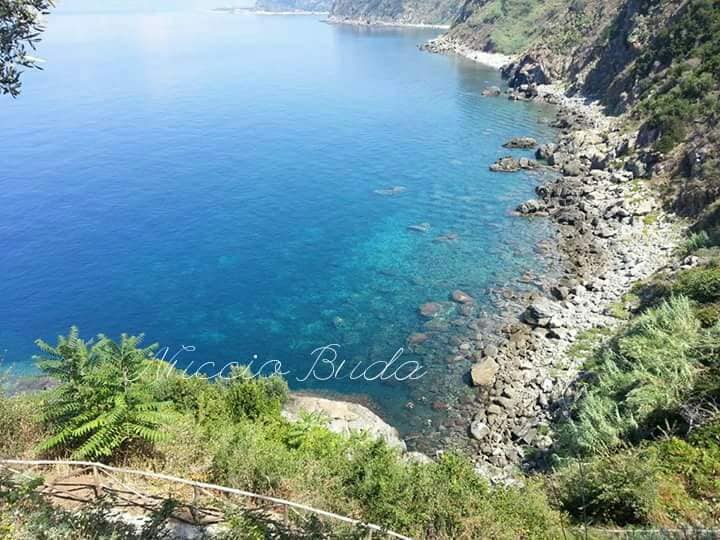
[
  {"x": 430, "y": 309},
  {"x": 461, "y": 297},
  {"x": 420, "y": 227},
  {"x": 417, "y": 338},
  {"x": 395, "y": 190},
  {"x": 450, "y": 237}
]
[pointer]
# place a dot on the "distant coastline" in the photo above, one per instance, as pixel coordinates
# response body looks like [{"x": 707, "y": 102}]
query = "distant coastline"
[
  {"x": 396, "y": 24},
  {"x": 252, "y": 10}
]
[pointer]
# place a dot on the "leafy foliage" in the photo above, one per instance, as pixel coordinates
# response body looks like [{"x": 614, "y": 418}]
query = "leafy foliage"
[
  {"x": 642, "y": 374},
  {"x": 20, "y": 29},
  {"x": 688, "y": 49},
  {"x": 100, "y": 406},
  {"x": 700, "y": 284}
]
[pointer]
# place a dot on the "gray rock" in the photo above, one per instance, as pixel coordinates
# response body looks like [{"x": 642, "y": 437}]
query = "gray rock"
[
  {"x": 540, "y": 312},
  {"x": 483, "y": 373},
  {"x": 479, "y": 430},
  {"x": 510, "y": 164},
  {"x": 531, "y": 206},
  {"x": 492, "y": 91},
  {"x": 343, "y": 417},
  {"x": 521, "y": 142},
  {"x": 546, "y": 151},
  {"x": 572, "y": 168}
]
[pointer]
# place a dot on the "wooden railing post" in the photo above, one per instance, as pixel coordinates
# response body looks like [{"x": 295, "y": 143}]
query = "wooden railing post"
[
  {"x": 96, "y": 482},
  {"x": 193, "y": 505}
]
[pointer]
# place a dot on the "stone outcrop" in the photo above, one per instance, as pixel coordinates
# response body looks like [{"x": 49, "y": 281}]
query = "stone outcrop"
[{"x": 343, "y": 417}]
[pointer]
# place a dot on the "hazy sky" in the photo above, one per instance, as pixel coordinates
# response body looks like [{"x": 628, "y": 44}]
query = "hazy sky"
[{"x": 71, "y": 6}]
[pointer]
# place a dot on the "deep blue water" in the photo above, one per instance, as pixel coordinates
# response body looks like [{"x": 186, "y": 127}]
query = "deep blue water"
[{"x": 210, "y": 179}]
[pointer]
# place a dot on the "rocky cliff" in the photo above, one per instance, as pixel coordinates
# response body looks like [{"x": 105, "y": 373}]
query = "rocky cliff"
[
  {"x": 431, "y": 12},
  {"x": 656, "y": 63}
]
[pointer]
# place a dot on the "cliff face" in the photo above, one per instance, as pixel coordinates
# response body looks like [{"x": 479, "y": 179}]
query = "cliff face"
[
  {"x": 395, "y": 11},
  {"x": 656, "y": 62}
]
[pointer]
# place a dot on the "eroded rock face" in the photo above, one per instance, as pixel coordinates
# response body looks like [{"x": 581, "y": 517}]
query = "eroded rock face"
[
  {"x": 343, "y": 417},
  {"x": 528, "y": 70}
]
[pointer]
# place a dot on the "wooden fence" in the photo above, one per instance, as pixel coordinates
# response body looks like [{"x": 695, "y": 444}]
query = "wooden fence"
[{"x": 107, "y": 479}]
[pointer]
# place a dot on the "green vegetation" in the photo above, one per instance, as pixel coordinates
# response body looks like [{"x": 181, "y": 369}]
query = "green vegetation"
[
  {"x": 510, "y": 26},
  {"x": 688, "y": 89},
  {"x": 699, "y": 284},
  {"x": 143, "y": 414},
  {"x": 642, "y": 444},
  {"x": 642, "y": 374},
  {"x": 101, "y": 406},
  {"x": 20, "y": 30}
]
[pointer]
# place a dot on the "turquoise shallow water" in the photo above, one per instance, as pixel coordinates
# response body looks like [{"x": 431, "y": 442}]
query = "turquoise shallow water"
[{"x": 211, "y": 180}]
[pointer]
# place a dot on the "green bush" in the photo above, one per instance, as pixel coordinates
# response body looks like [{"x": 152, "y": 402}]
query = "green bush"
[
  {"x": 696, "y": 241},
  {"x": 101, "y": 406},
  {"x": 699, "y": 284},
  {"x": 618, "y": 489},
  {"x": 645, "y": 371},
  {"x": 708, "y": 315}
]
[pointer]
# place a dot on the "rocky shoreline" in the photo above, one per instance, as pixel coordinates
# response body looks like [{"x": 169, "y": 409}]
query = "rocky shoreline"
[
  {"x": 445, "y": 45},
  {"x": 610, "y": 233}
]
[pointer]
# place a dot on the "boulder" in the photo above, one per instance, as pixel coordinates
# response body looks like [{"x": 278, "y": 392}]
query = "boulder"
[
  {"x": 483, "y": 373},
  {"x": 572, "y": 168},
  {"x": 461, "y": 297},
  {"x": 492, "y": 91},
  {"x": 540, "y": 312},
  {"x": 521, "y": 142},
  {"x": 430, "y": 309},
  {"x": 343, "y": 417},
  {"x": 531, "y": 206},
  {"x": 479, "y": 430},
  {"x": 510, "y": 164},
  {"x": 546, "y": 151}
]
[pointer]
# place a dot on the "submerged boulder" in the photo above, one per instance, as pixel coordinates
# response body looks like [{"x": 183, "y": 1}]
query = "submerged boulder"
[
  {"x": 430, "y": 309},
  {"x": 461, "y": 297}
]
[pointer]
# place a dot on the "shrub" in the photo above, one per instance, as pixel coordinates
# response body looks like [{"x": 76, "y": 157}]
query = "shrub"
[
  {"x": 20, "y": 427},
  {"x": 101, "y": 406},
  {"x": 647, "y": 370},
  {"x": 696, "y": 241},
  {"x": 700, "y": 284},
  {"x": 619, "y": 489}
]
